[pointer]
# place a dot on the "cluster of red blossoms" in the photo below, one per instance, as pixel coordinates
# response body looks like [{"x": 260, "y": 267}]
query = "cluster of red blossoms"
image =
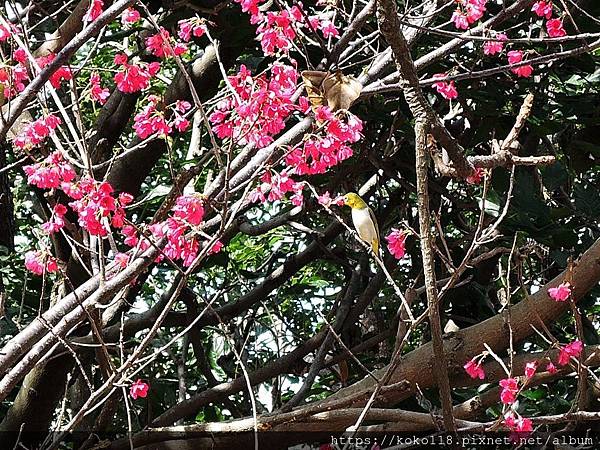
[
  {"x": 511, "y": 388},
  {"x": 278, "y": 29},
  {"x": 134, "y": 77},
  {"x": 181, "y": 231},
  {"x": 97, "y": 92},
  {"x": 447, "y": 90},
  {"x": 152, "y": 121},
  {"x": 13, "y": 78},
  {"x": 39, "y": 262},
  {"x": 397, "y": 243},
  {"x": 161, "y": 45},
  {"x": 275, "y": 186},
  {"x": 36, "y": 132},
  {"x": 96, "y": 207},
  {"x": 329, "y": 145},
  {"x": 51, "y": 173},
  {"x": 468, "y": 12},
  {"x": 258, "y": 110},
  {"x": 195, "y": 26},
  {"x": 554, "y": 27}
]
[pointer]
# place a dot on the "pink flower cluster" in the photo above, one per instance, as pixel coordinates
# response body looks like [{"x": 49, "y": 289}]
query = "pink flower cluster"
[
  {"x": 474, "y": 369},
  {"x": 277, "y": 32},
  {"x": 560, "y": 293},
  {"x": 95, "y": 205},
  {"x": 530, "y": 368},
  {"x": 13, "y": 78},
  {"x": 139, "y": 389},
  {"x": 57, "y": 220},
  {"x": 515, "y": 422},
  {"x": 151, "y": 120},
  {"x": 161, "y": 45},
  {"x": 573, "y": 349},
  {"x": 396, "y": 243},
  {"x": 97, "y": 92},
  {"x": 329, "y": 146},
  {"x": 326, "y": 200},
  {"x": 554, "y": 27},
  {"x": 60, "y": 74},
  {"x": 515, "y": 57},
  {"x": 132, "y": 77},
  {"x": 129, "y": 16},
  {"x": 264, "y": 104},
  {"x": 38, "y": 262},
  {"x": 275, "y": 186},
  {"x": 510, "y": 389},
  {"x": 36, "y": 132},
  {"x": 543, "y": 8},
  {"x": 476, "y": 176},
  {"x": 50, "y": 173},
  {"x": 195, "y": 26},
  {"x": 447, "y": 90},
  {"x": 468, "y": 12},
  {"x": 180, "y": 230},
  {"x": 94, "y": 11},
  {"x": 492, "y": 47},
  {"x": 278, "y": 29}
]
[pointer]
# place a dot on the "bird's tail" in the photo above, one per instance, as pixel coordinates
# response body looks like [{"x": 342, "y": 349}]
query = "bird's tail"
[{"x": 375, "y": 245}]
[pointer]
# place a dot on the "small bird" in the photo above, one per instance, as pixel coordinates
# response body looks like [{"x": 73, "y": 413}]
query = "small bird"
[{"x": 364, "y": 220}]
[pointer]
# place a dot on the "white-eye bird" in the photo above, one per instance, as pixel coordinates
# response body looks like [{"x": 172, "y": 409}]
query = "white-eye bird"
[{"x": 364, "y": 220}]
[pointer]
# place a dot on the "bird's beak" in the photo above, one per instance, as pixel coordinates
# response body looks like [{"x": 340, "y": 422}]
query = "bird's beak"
[{"x": 340, "y": 201}]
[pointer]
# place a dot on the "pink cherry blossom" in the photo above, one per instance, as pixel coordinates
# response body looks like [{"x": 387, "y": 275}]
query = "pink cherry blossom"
[
  {"x": 62, "y": 73},
  {"x": 560, "y": 293},
  {"x": 328, "y": 29},
  {"x": 477, "y": 176},
  {"x": 460, "y": 20},
  {"x": 530, "y": 368},
  {"x": 132, "y": 77},
  {"x": 161, "y": 45},
  {"x": 5, "y": 33},
  {"x": 260, "y": 109},
  {"x": 474, "y": 369},
  {"x": 94, "y": 11},
  {"x": 36, "y": 132},
  {"x": 97, "y": 92},
  {"x": 139, "y": 389},
  {"x": 447, "y": 90},
  {"x": 573, "y": 349},
  {"x": 510, "y": 421},
  {"x": 122, "y": 259},
  {"x": 551, "y": 368},
  {"x": 216, "y": 248},
  {"x": 189, "y": 208},
  {"x": 492, "y": 47},
  {"x": 468, "y": 12},
  {"x": 543, "y": 9},
  {"x": 57, "y": 220},
  {"x": 38, "y": 262},
  {"x": 188, "y": 27},
  {"x": 524, "y": 425},
  {"x": 510, "y": 388},
  {"x": 555, "y": 28},
  {"x": 96, "y": 207},
  {"x": 130, "y": 15},
  {"x": 277, "y": 32},
  {"x": 516, "y": 56},
  {"x": 396, "y": 244},
  {"x": 151, "y": 121},
  {"x": 50, "y": 173}
]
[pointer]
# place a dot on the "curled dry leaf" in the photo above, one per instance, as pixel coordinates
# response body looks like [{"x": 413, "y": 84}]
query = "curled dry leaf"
[{"x": 336, "y": 90}]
